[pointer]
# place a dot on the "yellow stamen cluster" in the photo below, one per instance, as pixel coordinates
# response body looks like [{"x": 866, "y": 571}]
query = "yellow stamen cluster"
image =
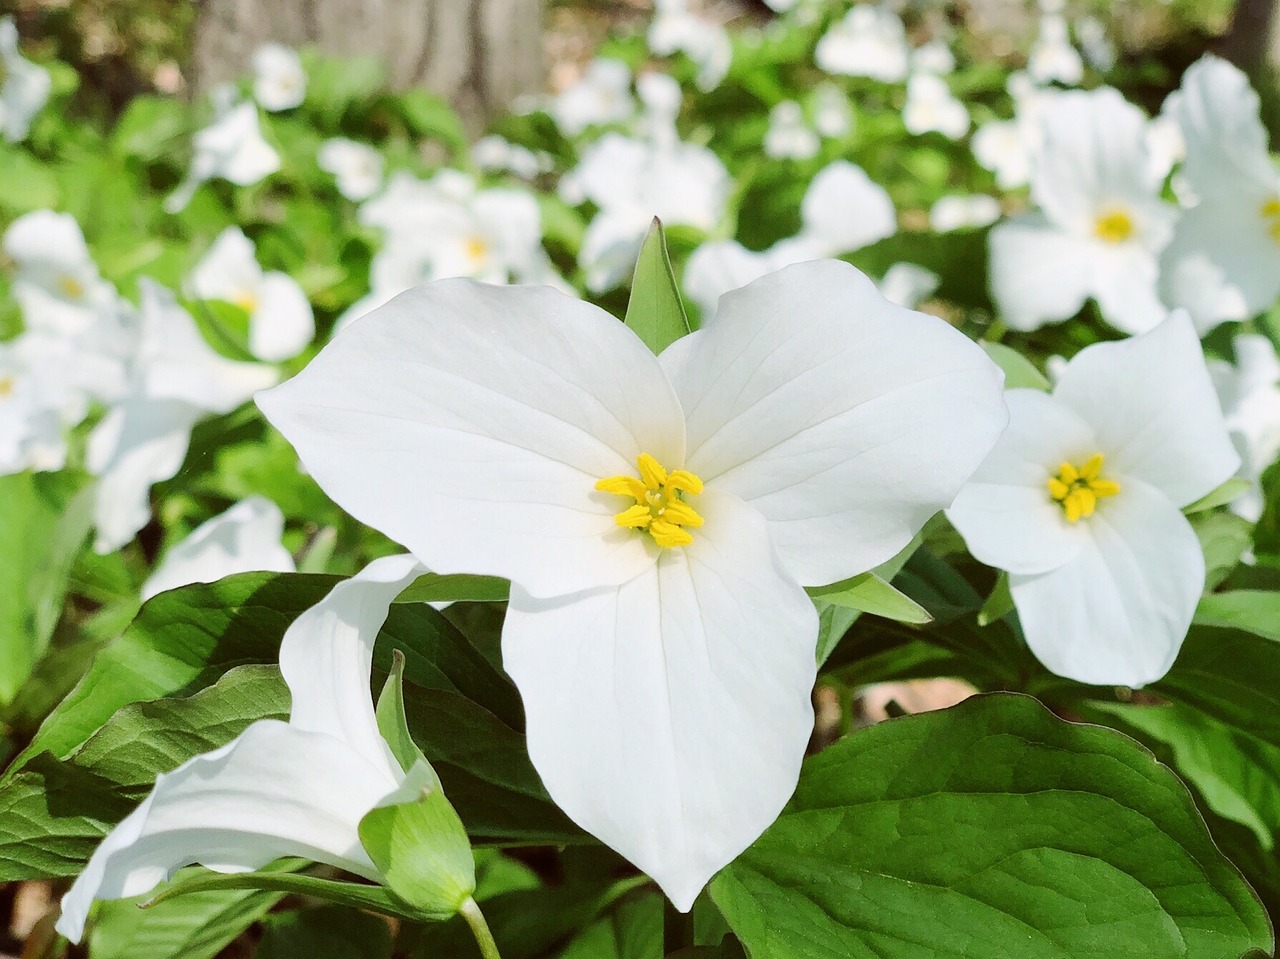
[
  {"x": 6, "y": 386},
  {"x": 477, "y": 249},
  {"x": 1271, "y": 213},
  {"x": 70, "y": 287},
  {"x": 1113, "y": 226},
  {"x": 247, "y": 300},
  {"x": 1078, "y": 489},
  {"x": 660, "y": 509}
]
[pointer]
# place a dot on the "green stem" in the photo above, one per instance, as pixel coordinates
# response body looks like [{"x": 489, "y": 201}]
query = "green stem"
[{"x": 480, "y": 929}]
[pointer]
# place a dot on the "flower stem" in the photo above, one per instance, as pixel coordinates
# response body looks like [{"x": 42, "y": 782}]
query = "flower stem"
[{"x": 480, "y": 929}]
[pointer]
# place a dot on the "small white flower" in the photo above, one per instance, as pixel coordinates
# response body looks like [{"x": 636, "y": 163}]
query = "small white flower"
[
  {"x": 496, "y": 153},
  {"x": 788, "y": 135},
  {"x": 934, "y": 57},
  {"x": 1052, "y": 55},
  {"x": 279, "y": 82},
  {"x": 869, "y": 42},
  {"x": 832, "y": 114},
  {"x": 281, "y": 323},
  {"x": 666, "y": 657},
  {"x": 1250, "y": 400},
  {"x": 1080, "y": 502},
  {"x": 676, "y": 29},
  {"x": 931, "y": 107},
  {"x": 956, "y": 212},
  {"x": 357, "y": 167},
  {"x": 719, "y": 266},
  {"x": 1003, "y": 147},
  {"x": 908, "y": 284},
  {"x": 1165, "y": 145},
  {"x": 1098, "y": 47},
  {"x": 232, "y": 148},
  {"x": 24, "y": 86},
  {"x": 843, "y": 210},
  {"x": 602, "y": 96},
  {"x": 37, "y": 404}
]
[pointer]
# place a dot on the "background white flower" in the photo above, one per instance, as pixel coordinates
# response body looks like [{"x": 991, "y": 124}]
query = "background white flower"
[
  {"x": 24, "y": 86},
  {"x": 357, "y": 167},
  {"x": 232, "y": 148},
  {"x": 279, "y": 82}
]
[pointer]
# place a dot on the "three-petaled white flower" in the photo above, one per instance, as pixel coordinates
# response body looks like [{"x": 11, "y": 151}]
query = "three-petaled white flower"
[
  {"x": 1080, "y": 502},
  {"x": 657, "y": 516},
  {"x": 24, "y": 86},
  {"x": 278, "y": 789}
]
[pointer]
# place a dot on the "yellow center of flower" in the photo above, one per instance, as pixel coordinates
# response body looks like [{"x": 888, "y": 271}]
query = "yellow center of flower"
[
  {"x": 1113, "y": 226},
  {"x": 476, "y": 249},
  {"x": 660, "y": 509},
  {"x": 6, "y": 386},
  {"x": 1271, "y": 213},
  {"x": 70, "y": 287},
  {"x": 1077, "y": 489},
  {"x": 247, "y": 300}
]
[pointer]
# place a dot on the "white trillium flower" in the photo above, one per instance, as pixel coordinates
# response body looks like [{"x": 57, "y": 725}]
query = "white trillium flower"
[
  {"x": 869, "y": 41},
  {"x": 1080, "y": 502},
  {"x": 832, "y": 113},
  {"x": 493, "y": 152},
  {"x": 1052, "y": 56},
  {"x": 281, "y": 323},
  {"x": 908, "y": 284},
  {"x": 38, "y": 401},
  {"x": 602, "y": 96},
  {"x": 1224, "y": 261},
  {"x": 934, "y": 57},
  {"x": 676, "y": 29},
  {"x": 1100, "y": 227},
  {"x": 278, "y": 789},
  {"x": 57, "y": 284},
  {"x": 279, "y": 82},
  {"x": 232, "y": 148},
  {"x": 24, "y": 86},
  {"x": 1249, "y": 392},
  {"x": 956, "y": 212},
  {"x": 356, "y": 166},
  {"x": 1098, "y": 47},
  {"x": 930, "y": 107},
  {"x": 242, "y": 539},
  {"x": 788, "y": 135},
  {"x": 177, "y": 380},
  {"x": 664, "y": 652}
]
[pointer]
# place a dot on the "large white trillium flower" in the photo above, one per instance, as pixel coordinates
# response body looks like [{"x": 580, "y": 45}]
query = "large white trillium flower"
[
  {"x": 281, "y": 323},
  {"x": 657, "y": 517},
  {"x": 1224, "y": 261},
  {"x": 278, "y": 789},
  {"x": 232, "y": 147},
  {"x": 1101, "y": 223},
  {"x": 1080, "y": 501},
  {"x": 24, "y": 86}
]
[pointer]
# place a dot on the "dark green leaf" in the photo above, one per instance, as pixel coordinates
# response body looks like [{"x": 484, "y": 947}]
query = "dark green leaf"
[
  {"x": 1018, "y": 371},
  {"x": 869, "y": 593},
  {"x": 655, "y": 311},
  {"x": 455, "y": 587},
  {"x": 1255, "y": 611},
  {"x": 324, "y": 933},
  {"x": 633, "y": 930}
]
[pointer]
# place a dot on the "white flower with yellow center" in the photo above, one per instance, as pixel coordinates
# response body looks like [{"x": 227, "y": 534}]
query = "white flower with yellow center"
[
  {"x": 1224, "y": 261},
  {"x": 24, "y": 86},
  {"x": 1080, "y": 502},
  {"x": 281, "y": 323},
  {"x": 279, "y": 82},
  {"x": 657, "y": 516},
  {"x": 356, "y": 166},
  {"x": 1101, "y": 223},
  {"x": 930, "y": 107},
  {"x": 602, "y": 95},
  {"x": 232, "y": 148}
]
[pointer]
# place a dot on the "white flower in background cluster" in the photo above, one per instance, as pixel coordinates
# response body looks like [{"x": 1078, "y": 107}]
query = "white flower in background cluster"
[
  {"x": 232, "y": 148},
  {"x": 843, "y": 210},
  {"x": 832, "y": 112},
  {"x": 956, "y": 212},
  {"x": 1096, "y": 43},
  {"x": 933, "y": 57},
  {"x": 356, "y": 166},
  {"x": 1080, "y": 502},
  {"x": 37, "y": 405},
  {"x": 1250, "y": 400},
  {"x": 24, "y": 86},
  {"x": 497, "y": 154},
  {"x": 601, "y": 96},
  {"x": 447, "y": 226},
  {"x": 930, "y": 107},
  {"x": 1166, "y": 147},
  {"x": 176, "y": 379},
  {"x": 1100, "y": 226},
  {"x": 789, "y": 135},
  {"x": 908, "y": 284},
  {"x": 1052, "y": 56},
  {"x": 676, "y": 29},
  {"x": 1008, "y": 148},
  {"x": 632, "y": 181},
  {"x": 281, "y": 323},
  {"x": 279, "y": 82},
  {"x": 243, "y": 539},
  {"x": 869, "y": 41},
  {"x": 278, "y": 789},
  {"x": 1224, "y": 261},
  {"x": 662, "y": 99},
  {"x": 665, "y": 658}
]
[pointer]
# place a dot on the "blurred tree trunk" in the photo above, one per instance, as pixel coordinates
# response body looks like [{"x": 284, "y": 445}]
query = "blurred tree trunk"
[
  {"x": 478, "y": 54},
  {"x": 1253, "y": 42}
]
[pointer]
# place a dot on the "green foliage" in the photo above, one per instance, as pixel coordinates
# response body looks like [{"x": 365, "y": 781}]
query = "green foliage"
[{"x": 655, "y": 311}]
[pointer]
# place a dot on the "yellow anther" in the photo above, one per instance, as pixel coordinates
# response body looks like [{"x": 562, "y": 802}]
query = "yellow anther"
[
  {"x": 660, "y": 509},
  {"x": 477, "y": 248},
  {"x": 70, "y": 287},
  {"x": 1271, "y": 213},
  {"x": 1078, "y": 489},
  {"x": 247, "y": 300},
  {"x": 1113, "y": 226},
  {"x": 6, "y": 386}
]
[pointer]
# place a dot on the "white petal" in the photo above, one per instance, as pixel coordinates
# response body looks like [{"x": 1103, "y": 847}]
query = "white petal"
[
  {"x": 229, "y": 270},
  {"x": 1153, "y": 406},
  {"x": 1005, "y": 513},
  {"x": 846, "y": 420},
  {"x": 283, "y": 323},
  {"x": 273, "y": 791},
  {"x": 1039, "y": 274},
  {"x": 846, "y": 210},
  {"x": 1117, "y": 613},
  {"x": 1124, "y": 285},
  {"x": 471, "y": 423},
  {"x": 246, "y": 537},
  {"x": 669, "y": 716},
  {"x": 326, "y": 658},
  {"x": 719, "y": 266}
]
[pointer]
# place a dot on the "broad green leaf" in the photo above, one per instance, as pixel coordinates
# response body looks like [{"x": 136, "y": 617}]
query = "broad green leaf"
[
  {"x": 632, "y": 930},
  {"x": 44, "y": 519},
  {"x": 1224, "y": 537},
  {"x": 1233, "y": 488},
  {"x": 1018, "y": 371},
  {"x": 835, "y": 617},
  {"x": 655, "y": 311},
  {"x": 149, "y": 127},
  {"x": 455, "y": 587},
  {"x": 54, "y": 810},
  {"x": 1255, "y": 611},
  {"x": 999, "y": 604},
  {"x": 26, "y": 183},
  {"x": 989, "y": 829},
  {"x": 869, "y": 593},
  {"x": 328, "y": 932},
  {"x": 421, "y": 849},
  {"x": 428, "y": 115}
]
